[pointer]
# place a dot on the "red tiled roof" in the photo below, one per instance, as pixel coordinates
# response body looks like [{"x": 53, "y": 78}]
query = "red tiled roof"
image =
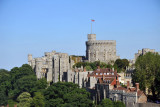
[
  {"x": 139, "y": 93},
  {"x": 120, "y": 88},
  {"x": 115, "y": 82}
]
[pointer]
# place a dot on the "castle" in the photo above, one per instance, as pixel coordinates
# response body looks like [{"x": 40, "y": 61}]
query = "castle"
[
  {"x": 101, "y": 83},
  {"x": 51, "y": 66},
  {"x": 54, "y": 66},
  {"x": 100, "y": 50}
]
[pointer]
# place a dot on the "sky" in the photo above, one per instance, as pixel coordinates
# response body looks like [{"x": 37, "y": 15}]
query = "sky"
[{"x": 38, "y": 26}]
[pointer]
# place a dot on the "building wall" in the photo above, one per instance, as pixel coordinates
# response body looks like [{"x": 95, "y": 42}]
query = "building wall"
[
  {"x": 51, "y": 66},
  {"x": 100, "y": 50},
  {"x": 123, "y": 96},
  {"x": 142, "y": 98}
]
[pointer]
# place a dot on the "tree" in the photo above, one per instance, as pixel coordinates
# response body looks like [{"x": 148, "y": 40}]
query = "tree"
[
  {"x": 4, "y": 75},
  {"x": 41, "y": 84},
  {"x": 121, "y": 64},
  {"x": 64, "y": 94},
  {"x": 38, "y": 99},
  {"x": 107, "y": 103},
  {"x": 88, "y": 68},
  {"x": 125, "y": 63},
  {"x": 119, "y": 104},
  {"x": 147, "y": 70},
  {"x": 26, "y": 83},
  {"x": 3, "y": 98},
  {"x": 22, "y": 79},
  {"x": 24, "y": 99}
]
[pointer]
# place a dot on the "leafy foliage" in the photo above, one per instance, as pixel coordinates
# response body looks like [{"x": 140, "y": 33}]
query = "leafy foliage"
[
  {"x": 4, "y": 75},
  {"x": 92, "y": 65},
  {"x": 22, "y": 79},
  {"x": 23, "y": 88},
  {"x": 119, "y": 104},
  {"x": 121, "y": 64},
  {"x": 24, "y": 100},
  {"x": 147, "y": 72},
  {"x": 3, "y": 98},
  {"x": 65, "y": 94},
  {"x": 38, "y": 100},
  {"x": 107, "y": 103}
]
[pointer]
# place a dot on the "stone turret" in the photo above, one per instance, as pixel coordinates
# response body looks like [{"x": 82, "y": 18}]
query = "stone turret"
[
  {"x": 56, "y": 72},
  {"x": 91, "y": 37},
  {"x": 30, "y": 59},
  {"x": 39, "y": 64},
  {"x": 49, "y": 73}
]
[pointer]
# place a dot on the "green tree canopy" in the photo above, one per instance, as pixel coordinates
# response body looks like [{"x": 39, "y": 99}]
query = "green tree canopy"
[
  {"x": 64, "y": 94},
  {"x": 92, "y": 65},
  {"x": 119, "y": 104},
  {"x": 147, "y": 72},
  {"x": 4, "y": 75},
  {"x": 24, "y": 100},
  {"x": 21, "y": 79},
  {"x": 121, "y": 64},
  {"x": 107, "y": 103},
  {"x": 3, "y": 98},
  {"x": 38, "y": 100}
]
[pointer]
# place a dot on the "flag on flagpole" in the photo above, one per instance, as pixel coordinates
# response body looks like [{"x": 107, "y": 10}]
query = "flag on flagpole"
[{"x": 92, "y": 20}]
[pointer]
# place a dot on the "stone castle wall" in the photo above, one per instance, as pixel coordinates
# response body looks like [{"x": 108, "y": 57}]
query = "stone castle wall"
[
  {"x": 100, "y": 50},
  {"x": 51, "y": 66}
]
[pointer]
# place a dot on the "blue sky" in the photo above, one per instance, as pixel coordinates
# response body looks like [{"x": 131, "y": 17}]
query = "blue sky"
[{"x": 38, "y": 26}]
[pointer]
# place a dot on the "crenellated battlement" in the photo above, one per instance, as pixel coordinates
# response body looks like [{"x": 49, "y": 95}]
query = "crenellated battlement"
[
  {"x": 97, "y": 42},
  {"x": 38, "y": 59}
]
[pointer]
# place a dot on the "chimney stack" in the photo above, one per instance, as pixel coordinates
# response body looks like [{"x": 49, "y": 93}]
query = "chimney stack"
[
  {"x": 137, "y": 86},
  {"x": 113, "y": 69},
  {"x": 128, "y": 85},
  {"x": 84, "y": 69},
  {"x": 103, "y": 77},
  {"x": 98, "y": 67}
]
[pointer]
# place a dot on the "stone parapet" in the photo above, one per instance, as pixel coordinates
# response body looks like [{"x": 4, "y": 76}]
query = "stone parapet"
[
  {"x": 38, "y": 59},
  {"x": 101, "y": 42}
]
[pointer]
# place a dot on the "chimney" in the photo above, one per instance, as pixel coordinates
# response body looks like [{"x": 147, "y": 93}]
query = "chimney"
[
  {"x": 113, "y": 69},
  {"x": 98, "y": 67},
  {"x": 128, "y": 85},
  {"x": 84, "y": 69},
  {"x": 137, "y": 86},
  {"x": 103, "y": 77}
]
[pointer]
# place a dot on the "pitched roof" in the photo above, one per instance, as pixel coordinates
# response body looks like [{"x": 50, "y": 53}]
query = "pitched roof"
[{"x": 131, "y": 89}]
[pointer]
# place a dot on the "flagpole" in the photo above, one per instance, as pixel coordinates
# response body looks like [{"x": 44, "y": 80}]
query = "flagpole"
[
  {"x": 91, "y": 24},
  {"x": 91, "y": 27}
]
